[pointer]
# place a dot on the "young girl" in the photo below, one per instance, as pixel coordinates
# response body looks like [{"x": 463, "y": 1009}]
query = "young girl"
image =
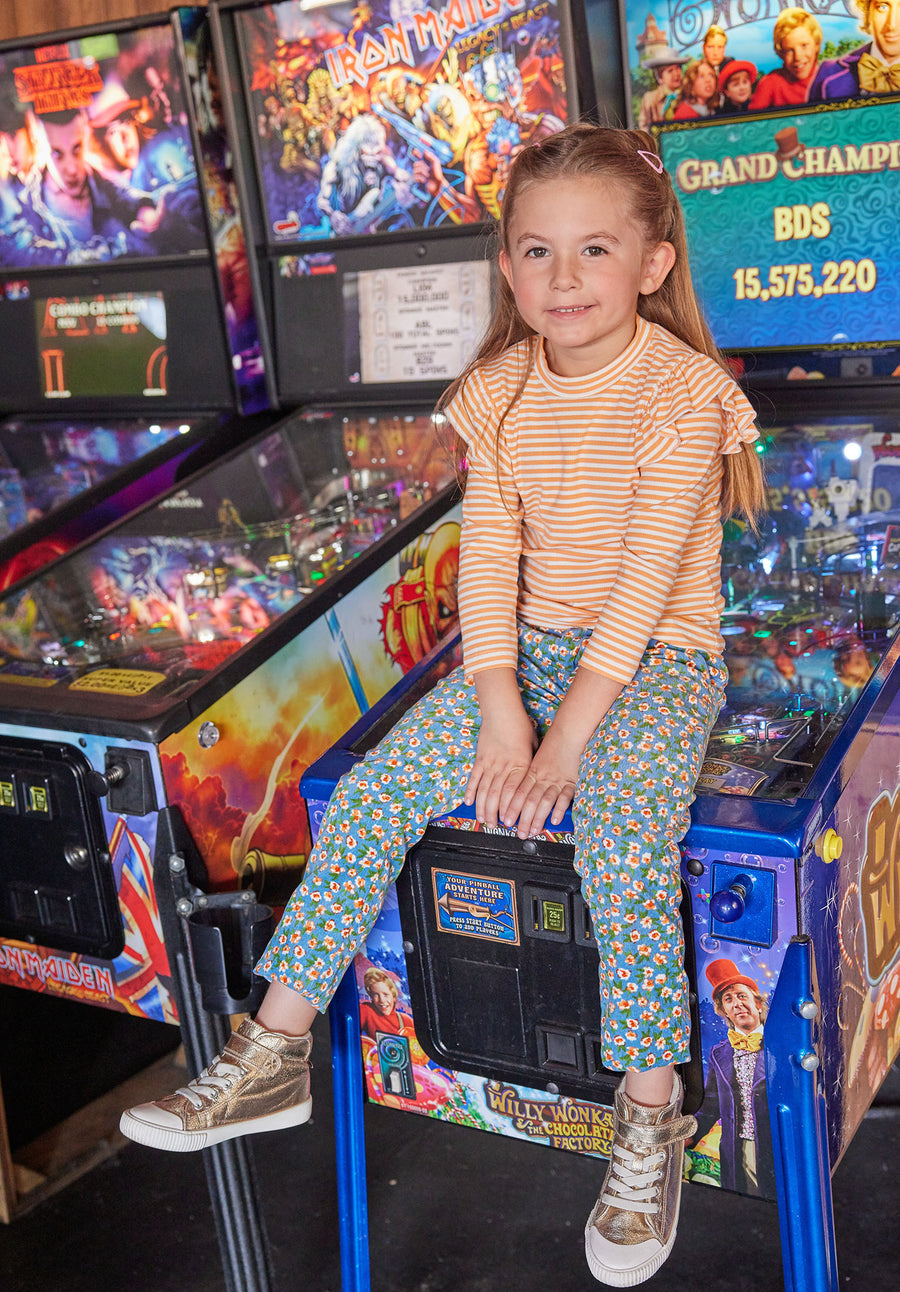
[{"x": 604, "y": 442}]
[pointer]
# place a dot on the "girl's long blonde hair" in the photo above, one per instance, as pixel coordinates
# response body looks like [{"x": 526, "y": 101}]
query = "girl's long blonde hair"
[{"x": 598, "y": 152}]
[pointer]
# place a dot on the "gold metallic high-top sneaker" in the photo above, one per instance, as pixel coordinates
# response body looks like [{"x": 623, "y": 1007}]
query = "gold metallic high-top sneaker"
[
  {"x": 259, "y": 1082},
  {"x": 632, "y": 1228}
]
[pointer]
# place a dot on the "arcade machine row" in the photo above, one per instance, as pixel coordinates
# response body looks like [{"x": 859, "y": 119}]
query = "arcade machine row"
[
  {"x": 790, "y": 865},
  {"x": 163, "y": 687},
  {"x": 131, "y": 342},
  {"x": 192, "y": 657}
]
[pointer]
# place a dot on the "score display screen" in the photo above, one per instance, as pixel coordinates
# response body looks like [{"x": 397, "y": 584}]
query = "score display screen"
[
  {"x": 791, "y": 224},
  {"x": 111, "y": 345},
  {"x": 416, "y": 323}
]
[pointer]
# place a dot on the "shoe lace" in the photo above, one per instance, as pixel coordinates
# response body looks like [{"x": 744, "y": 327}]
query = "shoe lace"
[
  {"x": 632, "y": 1181},
  {"x": 212, "y": 1081}
]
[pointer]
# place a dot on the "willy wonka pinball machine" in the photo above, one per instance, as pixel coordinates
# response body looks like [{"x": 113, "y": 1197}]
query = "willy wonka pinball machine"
[{"x": 790, "y": 865}]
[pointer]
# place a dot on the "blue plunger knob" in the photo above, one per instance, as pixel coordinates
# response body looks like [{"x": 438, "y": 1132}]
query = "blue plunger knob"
[{"x": 728, "y": 904}]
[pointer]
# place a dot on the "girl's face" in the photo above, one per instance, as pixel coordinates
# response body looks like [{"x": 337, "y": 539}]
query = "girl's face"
[{"x": 576, "y": 265}]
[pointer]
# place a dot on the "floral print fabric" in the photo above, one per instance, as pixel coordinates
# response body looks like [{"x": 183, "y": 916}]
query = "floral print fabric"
[{"x": 636, "y": 785}]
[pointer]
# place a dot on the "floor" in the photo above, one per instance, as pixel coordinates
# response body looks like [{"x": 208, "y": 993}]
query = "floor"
[{"x": 451, "y": 1210}]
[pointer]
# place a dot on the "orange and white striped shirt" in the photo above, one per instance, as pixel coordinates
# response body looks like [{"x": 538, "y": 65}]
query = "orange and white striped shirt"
[{"x": 599, "y": 508}]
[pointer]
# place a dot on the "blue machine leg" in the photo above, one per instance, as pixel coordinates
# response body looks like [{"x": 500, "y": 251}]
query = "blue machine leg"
[
  {"x": 350, "y": 1143},
  {"x": 799, "y": 1131}
]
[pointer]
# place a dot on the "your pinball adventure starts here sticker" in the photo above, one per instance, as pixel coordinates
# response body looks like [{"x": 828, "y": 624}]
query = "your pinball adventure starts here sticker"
[{"x": 476, "y": 906}]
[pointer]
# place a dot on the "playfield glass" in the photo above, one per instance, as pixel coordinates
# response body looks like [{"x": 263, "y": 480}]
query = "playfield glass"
[
  {"x": 44, "y": 465},
  {"x": 812, "y": 601},
  {"x": 177, "y": 588},
  {"x": 812, "y": 604}
]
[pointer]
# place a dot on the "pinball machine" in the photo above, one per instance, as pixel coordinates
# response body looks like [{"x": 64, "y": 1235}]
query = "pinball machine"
[
  {"x": 791, "y": 835},
  {"x": 225, "y": 608},
  {"x": 129, "y": 356},
  {"x": 789, "y": 866},
  {"x": 167, "y": 682}
]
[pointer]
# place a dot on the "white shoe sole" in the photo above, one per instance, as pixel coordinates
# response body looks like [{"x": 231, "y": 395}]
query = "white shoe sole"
[
  {"x": 179, "y": 1141},
  {"x": 639, "y": 1274}
]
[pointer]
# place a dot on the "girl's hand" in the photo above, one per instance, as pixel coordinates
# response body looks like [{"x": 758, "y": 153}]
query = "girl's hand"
[
  {"x": 547, "y": 788},
  {"x": 502, "y": 758}
]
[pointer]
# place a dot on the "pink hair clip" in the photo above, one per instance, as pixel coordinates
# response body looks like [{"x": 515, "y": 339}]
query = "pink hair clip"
[{"x": 652, "y": 159}]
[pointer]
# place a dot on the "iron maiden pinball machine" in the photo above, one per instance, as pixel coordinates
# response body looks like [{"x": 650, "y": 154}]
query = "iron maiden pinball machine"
[
  {"x": 164, "y": 685},
  {"x": 131, "y": 342},
  {"x": 789, "y": 868}
]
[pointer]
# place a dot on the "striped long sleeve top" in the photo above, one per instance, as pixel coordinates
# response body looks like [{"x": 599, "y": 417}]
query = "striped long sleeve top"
[{"x": 598, "y": 507}]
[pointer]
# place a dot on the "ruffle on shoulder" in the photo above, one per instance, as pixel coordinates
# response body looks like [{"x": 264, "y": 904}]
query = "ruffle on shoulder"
[
  {"x": 684, "y": 391},
  {"x": 666, "y": 404},
  {"x": 739, "y": 421}
]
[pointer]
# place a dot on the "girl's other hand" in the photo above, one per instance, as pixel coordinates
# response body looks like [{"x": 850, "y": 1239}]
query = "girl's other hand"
[
  {"x": 546, "y": 789},
  {"x": 502, "y": 758}
]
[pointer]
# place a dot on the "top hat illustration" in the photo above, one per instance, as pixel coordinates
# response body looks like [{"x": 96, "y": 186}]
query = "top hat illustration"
[
  {"x": 725, "y": 973},
  {"x": 788, "y": 144}
]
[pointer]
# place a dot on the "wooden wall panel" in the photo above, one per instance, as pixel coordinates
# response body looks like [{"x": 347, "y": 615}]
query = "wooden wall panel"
[{"x": 28, "y": 17}]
